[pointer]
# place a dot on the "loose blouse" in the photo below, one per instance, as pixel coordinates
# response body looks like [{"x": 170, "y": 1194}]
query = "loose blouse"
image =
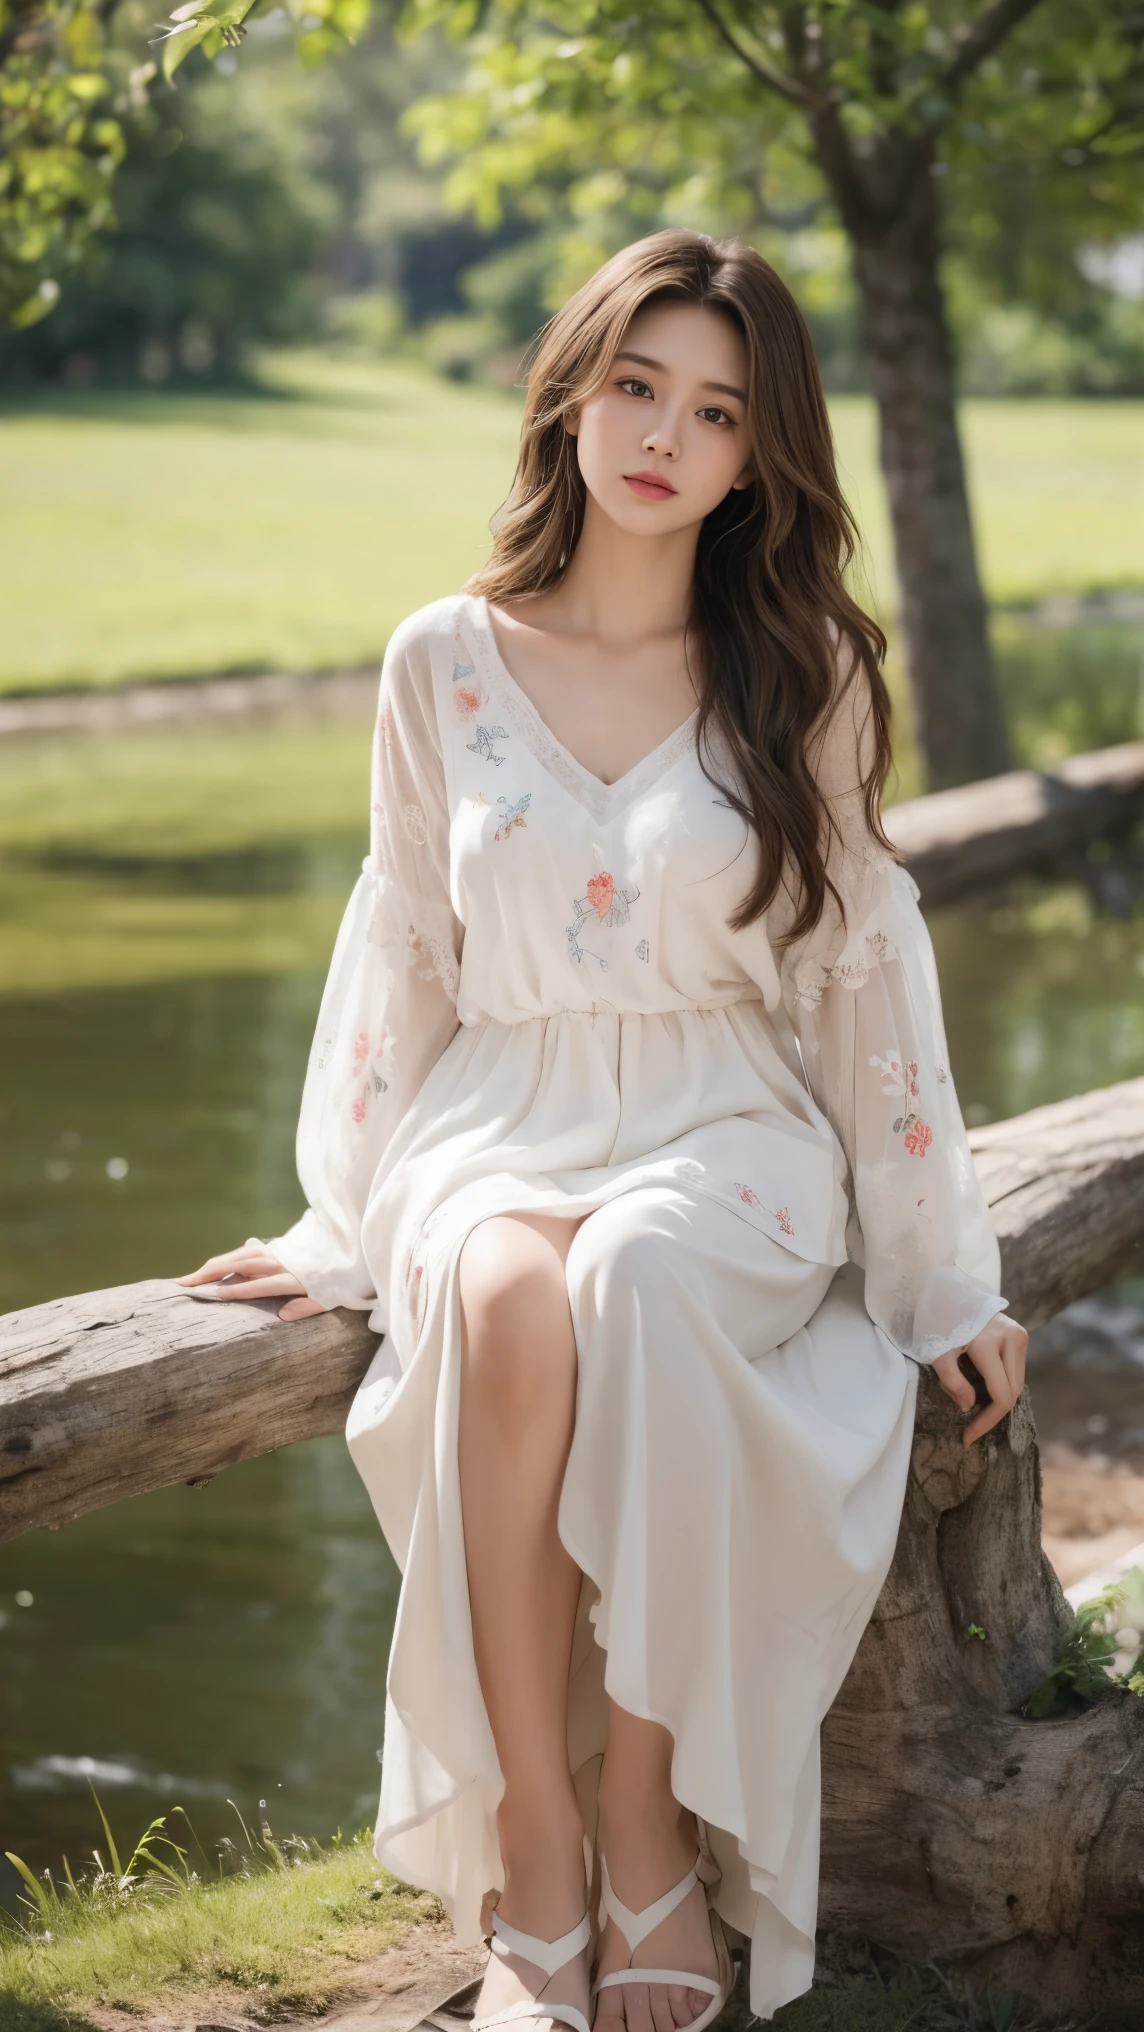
[{"x": 507, "y": 887}]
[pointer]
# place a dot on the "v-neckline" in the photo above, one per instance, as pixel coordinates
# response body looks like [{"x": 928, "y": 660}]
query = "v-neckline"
[{"x": 602, "y": 799}]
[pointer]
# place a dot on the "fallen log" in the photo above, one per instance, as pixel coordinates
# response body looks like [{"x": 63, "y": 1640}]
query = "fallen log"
[
  {"x": 958, "y": 841},
  {"x": 952, "y": 1827},
  {"x": 112, "y": 1393}
]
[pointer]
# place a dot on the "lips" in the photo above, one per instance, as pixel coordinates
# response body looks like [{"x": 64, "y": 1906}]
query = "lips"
[{"x": 650, "y": 486}]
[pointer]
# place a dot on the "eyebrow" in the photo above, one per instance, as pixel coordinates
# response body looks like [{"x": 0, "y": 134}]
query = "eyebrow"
[{"x": 720, "y": 387}]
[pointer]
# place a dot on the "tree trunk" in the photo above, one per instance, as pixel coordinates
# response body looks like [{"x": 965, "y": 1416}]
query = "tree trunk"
[
  {"x": 953, "y": 1829},
  {"x": 891, "y": 217}
]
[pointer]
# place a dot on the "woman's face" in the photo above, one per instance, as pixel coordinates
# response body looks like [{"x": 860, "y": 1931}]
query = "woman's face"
[{"x": 665, "y": 439}]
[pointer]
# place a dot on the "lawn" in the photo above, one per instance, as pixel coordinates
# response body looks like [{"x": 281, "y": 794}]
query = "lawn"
[
  {"x": 265, "y": 1939},
  {"x": 154, "y": 535}
]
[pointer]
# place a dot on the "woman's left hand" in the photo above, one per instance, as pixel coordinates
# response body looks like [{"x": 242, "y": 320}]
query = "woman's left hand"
[{"x": 998, "y": 1355}]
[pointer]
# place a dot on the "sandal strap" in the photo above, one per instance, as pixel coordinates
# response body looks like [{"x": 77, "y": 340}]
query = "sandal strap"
[
  {"x": 548, "y": 1955},
  {"x": 678, "y": 1978},
  {"x": 635, "y": 1926},
  {"x": 565, "y": 2014}
]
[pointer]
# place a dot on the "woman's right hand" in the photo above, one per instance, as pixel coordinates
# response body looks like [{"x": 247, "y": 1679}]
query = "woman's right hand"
[{"x": 252, "y": 1272}]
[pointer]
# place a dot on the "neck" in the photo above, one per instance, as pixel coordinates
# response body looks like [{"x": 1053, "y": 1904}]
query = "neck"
[{"x": 623, "y": 589}]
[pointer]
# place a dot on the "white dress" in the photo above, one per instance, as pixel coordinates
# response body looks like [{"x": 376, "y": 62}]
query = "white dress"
[{"x": 535, "y": 1002}]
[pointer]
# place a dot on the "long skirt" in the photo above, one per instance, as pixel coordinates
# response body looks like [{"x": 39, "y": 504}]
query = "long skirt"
[{"x": 732, "y": 1498}]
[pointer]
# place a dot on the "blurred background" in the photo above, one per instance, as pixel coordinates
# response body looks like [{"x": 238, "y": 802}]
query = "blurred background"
[{"x": 261, "y": 376}]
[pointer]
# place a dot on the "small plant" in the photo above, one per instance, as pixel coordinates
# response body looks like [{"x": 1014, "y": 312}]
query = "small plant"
[
  {"x": 102, "y": 1886},
  {"x": 1084, "y": 1668}
]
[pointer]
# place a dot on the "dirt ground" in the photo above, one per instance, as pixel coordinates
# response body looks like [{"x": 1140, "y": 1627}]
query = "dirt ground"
[
  {"x": 390, "y": 1994},
  {"x": 1086, "y": 1379}
]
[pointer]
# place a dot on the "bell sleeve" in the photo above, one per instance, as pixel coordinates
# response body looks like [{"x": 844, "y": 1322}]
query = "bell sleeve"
[
  {"x": 389, "y": 1006},
  {"x": 862, "y": 994}
]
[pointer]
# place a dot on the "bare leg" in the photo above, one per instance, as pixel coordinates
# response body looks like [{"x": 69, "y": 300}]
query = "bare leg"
[
  {"x": 518, "y": 1403},
  {"x": 650, "y": 1842}
]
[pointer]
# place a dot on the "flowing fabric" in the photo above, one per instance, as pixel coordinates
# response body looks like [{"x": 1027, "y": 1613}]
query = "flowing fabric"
[{"x": 536, "y": 1004}]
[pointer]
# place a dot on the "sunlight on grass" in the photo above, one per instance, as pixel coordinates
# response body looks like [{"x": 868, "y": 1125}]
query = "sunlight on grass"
[
  {"x": 146, "y": 534},
  {"x": 283, "y": 1930}
]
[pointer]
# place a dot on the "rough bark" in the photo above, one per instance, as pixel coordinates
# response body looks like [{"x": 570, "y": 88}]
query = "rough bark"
[
  {"x": 957, "y": 707},
  {"x": 952, "y": 1827}
]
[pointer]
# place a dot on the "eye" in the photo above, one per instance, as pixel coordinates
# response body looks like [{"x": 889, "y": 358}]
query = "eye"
[
  {"x": 632, "y": 385},
  {"x": 712, "y": 414}
]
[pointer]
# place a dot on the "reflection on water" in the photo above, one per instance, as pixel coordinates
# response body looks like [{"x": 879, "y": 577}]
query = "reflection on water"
[{"x": 158, "y": 999}]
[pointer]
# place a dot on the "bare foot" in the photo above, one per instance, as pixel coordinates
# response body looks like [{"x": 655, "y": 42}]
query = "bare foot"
[{"x": 642, "y": 1866}]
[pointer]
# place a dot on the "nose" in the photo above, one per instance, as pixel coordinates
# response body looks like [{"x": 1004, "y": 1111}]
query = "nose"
[{"x": 663, "y": 441}]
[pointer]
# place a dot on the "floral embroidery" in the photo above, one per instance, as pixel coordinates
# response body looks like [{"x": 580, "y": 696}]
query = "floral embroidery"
[
  {"x": 642, "y": 949},
  {"x": 579, "y": 953},
  {"x": 413, "y": 819},
  {"x": 609, "y": 905},
  {"x": 901, "y": 1078},
  {"x": 512, "y": 815},
  {"x": 432, "y": 959},
  {"x": 468, "y": 692},
  {"x": 483, "y": 745},
  {"x": 750, "y": 1197},
  {"x": 879, "y": 945},
  {"x": 942, "y": 1073},
  {"x": 368, "y": 1062},
  {"x": 467, "y": 701},
  {"x": 918, "y": 1135},
  {"x": 901, "y": 1075}
]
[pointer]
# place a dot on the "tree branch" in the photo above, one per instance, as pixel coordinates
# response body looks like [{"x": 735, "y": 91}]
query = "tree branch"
[
  {"x": 987, "y": 33},
  {"x": 775, "y": 81}
]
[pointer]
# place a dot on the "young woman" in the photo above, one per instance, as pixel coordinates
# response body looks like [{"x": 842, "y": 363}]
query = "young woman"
[{"x": 629, "y": 1120}]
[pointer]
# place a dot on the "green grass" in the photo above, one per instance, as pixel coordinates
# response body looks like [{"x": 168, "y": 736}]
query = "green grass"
[
  {"x": 150, "y": 535},
  {"x": 285, "y": 1936},
  {"x": 154, "y": 535}
]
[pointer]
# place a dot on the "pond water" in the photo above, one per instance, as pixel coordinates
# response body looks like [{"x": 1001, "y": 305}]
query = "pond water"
[{"x": 163, "y": 942}]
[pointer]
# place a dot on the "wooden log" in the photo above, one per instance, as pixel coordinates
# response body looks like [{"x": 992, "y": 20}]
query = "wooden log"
[
  {"x": 957, "y": 841},
  {"x": 1065, "y": 1186},
  {"x": 116, "y": 1392}
]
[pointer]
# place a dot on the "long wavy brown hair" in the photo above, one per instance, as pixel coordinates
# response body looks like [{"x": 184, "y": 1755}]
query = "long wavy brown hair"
[{"x": 771, "y": 561}]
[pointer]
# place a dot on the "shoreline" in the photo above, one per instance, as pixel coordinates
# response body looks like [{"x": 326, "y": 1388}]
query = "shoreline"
[{"x": 142, "y": 701}]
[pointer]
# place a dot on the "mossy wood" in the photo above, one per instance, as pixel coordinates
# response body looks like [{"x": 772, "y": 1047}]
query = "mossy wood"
[{"x": 952, "y": 1827}]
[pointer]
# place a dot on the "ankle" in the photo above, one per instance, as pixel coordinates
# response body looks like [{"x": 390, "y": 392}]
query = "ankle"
[
  {"x": 543, "y": 1856},
  {"x": 644, "y": 1819}
]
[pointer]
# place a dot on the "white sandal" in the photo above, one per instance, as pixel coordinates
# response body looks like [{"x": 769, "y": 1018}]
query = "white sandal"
[
  {"x": 635, "y": 1927},
  {"x": 550, "y": 1956}
]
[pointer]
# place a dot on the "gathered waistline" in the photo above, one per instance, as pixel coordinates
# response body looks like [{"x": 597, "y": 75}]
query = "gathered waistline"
[{"x": 605, "y": 1012}]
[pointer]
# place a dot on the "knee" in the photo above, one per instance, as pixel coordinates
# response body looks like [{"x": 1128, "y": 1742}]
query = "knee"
[
  {"x": 518, "y": 1342},
  {"x": 629, "y": 1257}
]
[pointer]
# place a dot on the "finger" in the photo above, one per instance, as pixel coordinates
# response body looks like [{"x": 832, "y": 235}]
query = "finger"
[
  {"x": 281, "y": 1286},
  {"x": 987, "y": 1361},
  {"x": 1014, "y": 1342},
  {"x": 954, "y": 1381},
  {"x": 301, "y": 1308},
  {"x": 243, "y": 1262}
]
